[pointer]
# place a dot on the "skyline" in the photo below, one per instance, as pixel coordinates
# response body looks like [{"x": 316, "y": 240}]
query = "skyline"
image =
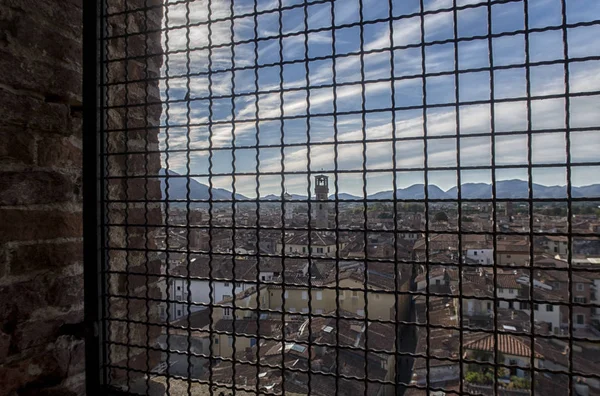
[
  {"x": 511, "y": 118},
  {"x": 505, "y": 189}
]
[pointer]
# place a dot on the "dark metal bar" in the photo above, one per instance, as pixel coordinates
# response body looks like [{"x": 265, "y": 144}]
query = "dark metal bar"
[{"x": 93, "y": 22}]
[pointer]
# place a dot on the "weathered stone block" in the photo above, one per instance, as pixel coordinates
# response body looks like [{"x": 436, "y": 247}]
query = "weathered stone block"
[
  {"x": 44, "y": 325},
  {"x": 63, "y": 15},
  {"x": 35, "y": 187},
  {"x": 33, "y": 113},
  {"x": 16, "y": 147},
  {"x": 3, "y": 260},
  {"x": 27, "y": 225},
  {"x": 16, "y": 375},
  {"x": 50, "y": 79},
  {"x": 4, "y": 346},
  {"x": 17, "y": 302},
  {"x": 44, "y": 256},
  {"x": 61, "y": 153},
  {"x": 40, "y": 124},
  {"x": 34, "y": 333},
  {"x": 64, "y": 291},
  {"x": 70, "y": 354},
  {"x": 40, "y": 390},
  {"x": 45, "y": 41}
]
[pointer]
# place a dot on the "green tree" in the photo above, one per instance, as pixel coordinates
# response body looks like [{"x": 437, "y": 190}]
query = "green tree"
[
  {"x": 519, "y": 383},
  {"x": 475, "y": 377},
  {"x": 503, "y": 372},
  {"x": 489, "y": 377}
]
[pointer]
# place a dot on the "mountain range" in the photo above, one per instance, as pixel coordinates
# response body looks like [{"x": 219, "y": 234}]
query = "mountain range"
[
  {"x": 505, "y": 189},
  {"x": 177, "y": 188}
]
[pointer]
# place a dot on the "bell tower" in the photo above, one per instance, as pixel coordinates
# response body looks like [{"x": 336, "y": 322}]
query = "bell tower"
[
  {"x": 321, "y": 208},
  {"x": 289, "y": 209}
]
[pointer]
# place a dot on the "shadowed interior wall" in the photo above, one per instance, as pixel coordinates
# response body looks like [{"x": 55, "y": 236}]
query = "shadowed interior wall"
[{"x": 41, "y": 258}]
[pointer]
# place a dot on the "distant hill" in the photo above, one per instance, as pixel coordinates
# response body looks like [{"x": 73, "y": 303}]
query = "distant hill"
[
  {"x": 587, "y": 191},
  {"x": 178, "y": 188},
  {"x": 519, "y": 189},
  {"x": 344, "y": 196},
  {"x": 472, "y": 191},
  {"x": 505, "y": 189},
  {"x": 416, "y": 191}
]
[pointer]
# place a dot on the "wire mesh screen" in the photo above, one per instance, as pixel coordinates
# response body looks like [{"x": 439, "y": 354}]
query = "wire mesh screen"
[{"x": 351, "y": 197}]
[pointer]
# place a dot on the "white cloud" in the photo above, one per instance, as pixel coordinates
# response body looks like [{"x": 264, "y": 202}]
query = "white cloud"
[{"x": 509, "y": 116}]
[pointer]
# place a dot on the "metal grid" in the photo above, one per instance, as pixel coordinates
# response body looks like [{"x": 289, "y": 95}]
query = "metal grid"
[{"x": 380, "y": 292}]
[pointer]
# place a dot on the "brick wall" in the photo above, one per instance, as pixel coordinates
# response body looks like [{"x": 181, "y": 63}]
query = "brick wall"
[
  {"x": 141, "y": 126},
  {"x": 41, "y": 269},
  {"x": 41, "y": 282}
]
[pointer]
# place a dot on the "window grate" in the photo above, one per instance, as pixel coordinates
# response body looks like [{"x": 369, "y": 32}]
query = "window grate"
[{"x": 339, "y": 197}]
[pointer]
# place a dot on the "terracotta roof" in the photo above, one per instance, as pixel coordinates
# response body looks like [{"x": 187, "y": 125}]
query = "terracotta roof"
[
  {"x": 507, "y": 344},
  {"x": 442, "y": 342},
  {"x": 249, "y": 327},
  {"x": 560, "y": 275},
  {"x": 513, "y": 244},
  {"x": 545, "y": 260},
  {"x": 439, "y": 270},
  {"x": 223, "y": 267},
  {"x": 474, "y": 285},
  {"x": 557, "y": 238},
  {"x": 317, "y": 239},
  {"x": 507, "y": 281},
  {"x": 549, "y": 296},
  {"x": 296, "y": 354},
  {"x": 438, "y": 241}
]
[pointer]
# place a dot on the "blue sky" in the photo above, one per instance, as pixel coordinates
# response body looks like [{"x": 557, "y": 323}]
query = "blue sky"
[{"x": 510, "y": 150}]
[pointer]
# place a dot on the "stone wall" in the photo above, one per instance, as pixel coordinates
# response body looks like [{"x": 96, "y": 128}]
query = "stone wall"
[
  {"x": 41, "y": 281},
  {"x": 41, "y": 268},
  {"x": 134, "y": 127}
]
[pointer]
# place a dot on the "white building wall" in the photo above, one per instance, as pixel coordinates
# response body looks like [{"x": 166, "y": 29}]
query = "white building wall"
[
  {"x": 507, "y": 294},
  {"x": 474, "y": 306},
  {"x": 266, "y": 276},
  {"x": 542, "y": 315},
  {"x": 482, "y": 256}
]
